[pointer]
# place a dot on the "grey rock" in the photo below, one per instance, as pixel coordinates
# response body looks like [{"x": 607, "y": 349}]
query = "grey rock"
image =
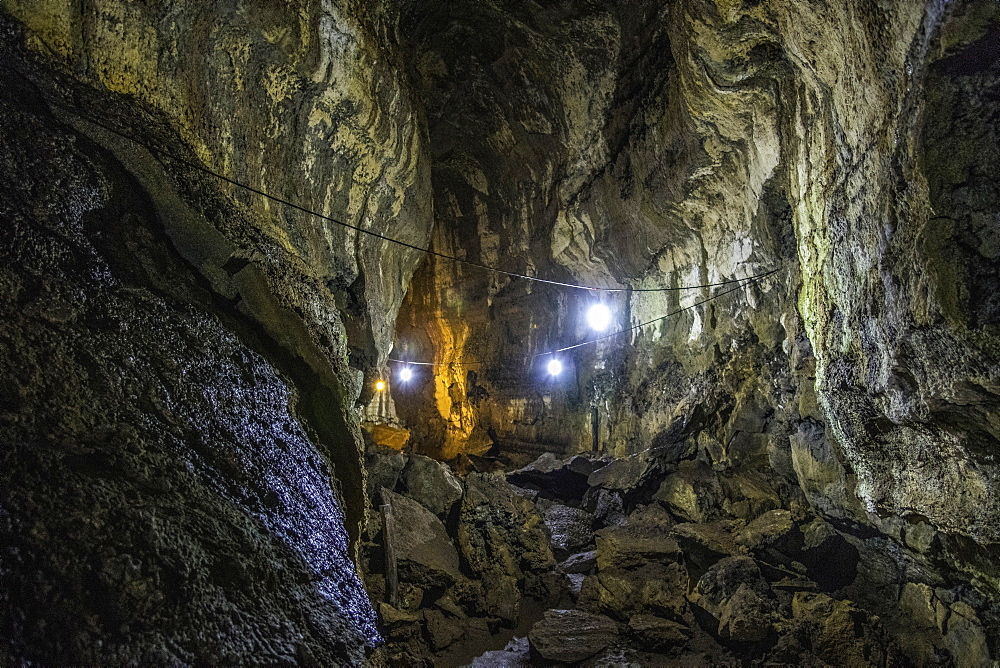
[
  {"x": 569, "y": 528},
  {"x": 432, "y": 484},
  {"x": 646, "y": 536},
  {"x": 502, "y": 536},
  {"x": 383, "y": 467},
  {"x": 424, "y": 551},
  {"x": 631, "y": 472},
  {"x": 583, "y": 562},
  {"x": 516, "y": 654},
  {"x": 572, "y": 635}
]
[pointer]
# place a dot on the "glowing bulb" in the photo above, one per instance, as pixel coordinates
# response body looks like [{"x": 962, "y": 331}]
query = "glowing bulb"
[
  {"x": 380, "y": 385},
  {"x": 555, "y": 368},
  {"x": 598, "y": 317},
  {"x": 405, "y": 374}
]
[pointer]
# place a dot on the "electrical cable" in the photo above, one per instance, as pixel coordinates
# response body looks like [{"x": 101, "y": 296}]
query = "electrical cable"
[
  {"x": 749, "y": 280},
  {"x": 361, "y": 230},
  {"x": 741, "y": 282}
]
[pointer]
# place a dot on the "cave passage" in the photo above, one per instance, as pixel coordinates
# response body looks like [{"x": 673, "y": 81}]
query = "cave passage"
[{"x": 579, "y": 333}]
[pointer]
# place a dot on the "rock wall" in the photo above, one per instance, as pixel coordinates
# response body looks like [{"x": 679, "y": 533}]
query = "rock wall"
[
  {"x": 182, "y": 358},
  {"x": 669, "y": 146}
]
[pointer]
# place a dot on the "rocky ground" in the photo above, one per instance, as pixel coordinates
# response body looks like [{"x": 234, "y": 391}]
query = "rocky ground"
[{"x": 654, "y": 559}]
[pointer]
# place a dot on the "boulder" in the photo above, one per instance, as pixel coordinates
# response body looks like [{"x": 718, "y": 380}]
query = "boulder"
[
  {"x": 837, "y": 630},
  {"x": 646, "y": 536},
  {"x": 693, "y": 494},
  {"x": 653, "y": 588},
  {"x": 583, "y": 562},
  {"x": 383, "y": 467},
  {"x": 442, "y": 630},
  {"x": 721, "y": 581},
  {"x": 569, "y": 528},
  {"x": 554, "y": 478},
  {"x": 572, "y": 635},
  {"x": 657, "y": 633},
  {"x": 431, "y": 483},
  {"x": 746, "y": 615},
  {"x": 747, "y": 496},
  {"x": 425, "y": 554},
  {"x": 516, "y": 654},
  {"x": 705, "y": 544},
  {"x": 630, "y": 473},
  {"x": 501, "y": 535},
  {"x": 772, "y": 531},
  {"x": 607, "y": 506}
]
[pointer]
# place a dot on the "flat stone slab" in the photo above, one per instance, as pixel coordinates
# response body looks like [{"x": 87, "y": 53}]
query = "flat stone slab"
[{"x": 572, "y": 635}]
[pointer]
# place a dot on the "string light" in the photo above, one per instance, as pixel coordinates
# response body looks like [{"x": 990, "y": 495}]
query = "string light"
[
  {"x": 280, "y": 200},
  {"x": 598, "y": 317},
  {"x": 601, "y": 315}
]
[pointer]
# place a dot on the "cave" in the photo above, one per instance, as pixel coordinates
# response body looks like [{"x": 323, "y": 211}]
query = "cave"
[{"x": 300, "y": 362}]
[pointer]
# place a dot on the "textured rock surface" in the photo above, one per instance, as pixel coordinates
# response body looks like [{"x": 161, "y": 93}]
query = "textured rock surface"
[
  {"x": 423, "y": 549},
  {"x": 572, "y": 635},
  {"x": 835, "y": 424},
  {"x": 159, "y": 500}
]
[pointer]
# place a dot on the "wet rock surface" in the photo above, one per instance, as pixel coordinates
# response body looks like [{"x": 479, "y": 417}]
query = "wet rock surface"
[{"x": 162, "y": 502}]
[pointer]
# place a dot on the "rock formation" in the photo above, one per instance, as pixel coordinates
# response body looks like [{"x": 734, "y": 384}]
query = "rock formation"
[{"x": 200, "y": 289}]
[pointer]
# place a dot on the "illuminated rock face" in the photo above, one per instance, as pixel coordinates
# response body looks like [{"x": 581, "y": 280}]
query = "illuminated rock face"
[{"x": 657, "y": 146}]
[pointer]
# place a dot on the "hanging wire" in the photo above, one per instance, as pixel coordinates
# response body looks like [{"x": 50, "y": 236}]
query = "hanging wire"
[
  {"x": 743, "y": 282},
  {"x": 280, "y": 200}
]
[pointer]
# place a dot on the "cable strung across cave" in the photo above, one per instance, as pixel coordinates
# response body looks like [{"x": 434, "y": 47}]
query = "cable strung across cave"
[
  {"x": 280, "y": 200},
  {"x": 743, "y": 282}
]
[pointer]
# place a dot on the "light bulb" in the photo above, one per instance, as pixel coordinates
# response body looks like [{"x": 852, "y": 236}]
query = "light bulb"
[
  {"x": 380, "y": 385},
  {"x": 555, "y": 368},
  {"x": 405, "y": 374},
  {"x": 598, "y": 317}
]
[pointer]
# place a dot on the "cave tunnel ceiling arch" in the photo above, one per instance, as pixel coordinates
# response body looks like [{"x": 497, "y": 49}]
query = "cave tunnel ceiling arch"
[{"x": 209, "y": 450}]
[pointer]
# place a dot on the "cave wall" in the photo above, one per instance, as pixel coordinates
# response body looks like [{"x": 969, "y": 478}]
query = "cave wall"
[
  {"x": 182, "y": 358},
  {"x": 708, "y": 141}
]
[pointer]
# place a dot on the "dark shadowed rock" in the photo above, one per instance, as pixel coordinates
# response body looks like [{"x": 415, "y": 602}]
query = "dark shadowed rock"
[
  {"x": 653, "y": 588},
  {"x": 502, "y": 536},
  {"x": 442, "y": 630},
  {"x": 658, "y": 633},
  {"x": 425, "y": 553},
  {"x": 606, "y": 505},
  {"x": 553, "y": 478},
  {"x": 431, "y": 483},
  {"x": 746, "y": 615},
  {"x": 774, "y": 529},
  {"x": 631, "y": 472},
  {"x": 570, "y": 528},
  {"x": 721, "y": 581},
  {"x": 584, "y": 562},
  {"x": 572, "y": 635},
  {"x": 705, "y": 544},
  {"x": 383, "y": 467}
]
